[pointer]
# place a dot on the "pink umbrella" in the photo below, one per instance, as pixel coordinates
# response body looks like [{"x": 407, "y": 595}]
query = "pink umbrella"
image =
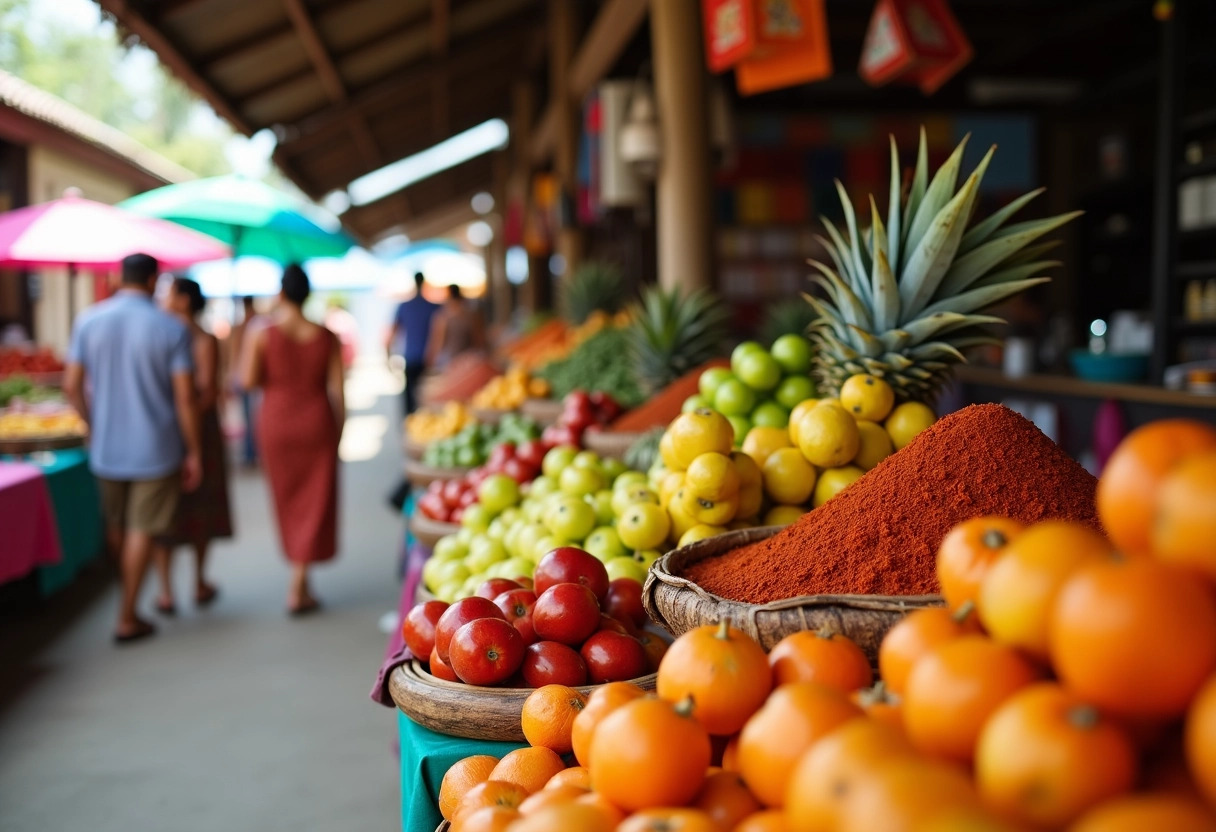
[{"x": 77, "y": 232}]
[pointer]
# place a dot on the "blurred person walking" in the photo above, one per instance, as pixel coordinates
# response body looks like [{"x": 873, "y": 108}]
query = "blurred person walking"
[
  {"x": 458, "y": 328},
  {"x": 204, "y": 514},
  {"x": 238, "y": 339},
  {"x": 136, "y": 362},
  {"x": 298, "y": 366},
  {"x": 413, "y": 319}
]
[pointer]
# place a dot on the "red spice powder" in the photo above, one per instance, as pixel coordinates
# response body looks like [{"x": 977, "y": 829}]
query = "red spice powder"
[
  {"x": 660, "y": 410},
  {"x": 880, "y": 535}
]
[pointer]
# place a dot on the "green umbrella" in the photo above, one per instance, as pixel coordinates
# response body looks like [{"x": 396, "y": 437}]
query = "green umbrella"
[{"x": 250, "y": 216}]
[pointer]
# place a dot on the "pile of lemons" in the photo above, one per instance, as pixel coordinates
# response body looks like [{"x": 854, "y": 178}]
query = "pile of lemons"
[{"x": 509, "y": 390}]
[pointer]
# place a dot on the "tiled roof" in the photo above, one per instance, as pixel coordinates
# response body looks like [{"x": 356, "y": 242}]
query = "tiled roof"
[{"x": 50, "y": 109}]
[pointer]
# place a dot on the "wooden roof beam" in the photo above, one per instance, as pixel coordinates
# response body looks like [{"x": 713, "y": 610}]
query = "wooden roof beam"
[
  {"x": 441, "y": 26},
  {"x": 317, "y": 53}
]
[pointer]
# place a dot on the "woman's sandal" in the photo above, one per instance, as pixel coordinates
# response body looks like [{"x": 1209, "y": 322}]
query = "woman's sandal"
[
  {"x": 144, "y": 630},
  {"x": 307, "y": 608}
]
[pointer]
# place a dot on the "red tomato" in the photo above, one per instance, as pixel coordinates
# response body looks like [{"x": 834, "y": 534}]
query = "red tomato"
[
  {"x": 567, "y": 613},
  {"x": 493, "y": 587},
  {"x": 440, "y": 670},
  {"x": 550, "y": 663},
  {"x": 459, "y": 614},
  {"x": 624, "y": 601},
  {"x": 517, "y": 605},
  {"x": 486, "y": 651},
  {"x": 571, "y": 565},
  {"x": 614, "y": 657},
  {"x": 418, "y": 629}
]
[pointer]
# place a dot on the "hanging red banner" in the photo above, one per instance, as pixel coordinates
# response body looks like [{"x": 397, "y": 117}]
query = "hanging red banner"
[
  {"x": 914, "y": 41},
  {"x": 770, "y": 43}
]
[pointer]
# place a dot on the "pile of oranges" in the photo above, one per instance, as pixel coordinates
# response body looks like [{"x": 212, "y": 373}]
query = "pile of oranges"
[
  {"x": 1069, "y": 683},
  {"x": 509, "y": 390}
]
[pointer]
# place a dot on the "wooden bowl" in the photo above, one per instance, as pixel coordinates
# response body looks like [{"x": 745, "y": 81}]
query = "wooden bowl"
[
  {"x": 610, "y": 444},
  {"x": 542, "y": 411},
  {"x": 468, "y": 711},
  {"x": 427, "y": 531},
  {"x": 423, "y": 475},
  {"x": 680, "y": 605}
]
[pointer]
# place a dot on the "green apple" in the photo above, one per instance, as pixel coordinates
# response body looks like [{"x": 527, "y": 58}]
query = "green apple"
[
  {"x": 695, "y": 402},
  {"x": 577, "y": 482},
  {"x": 570, "y": 519},
  {"x": 587, "y": 459},
  {"x": 483, "y": 553},
  {"x": 626, "y": 567},
  {"x": 629, "y": 478},
  {"x": 469, "y": 587},
  {"x": 451, "y": 572},
  {"x": 741, "y": 425},
  {"x": 770, "y": 415},
  {"x": 526, "y": 537},
  {"x": 465, "y": 536},
  {"x": 450, "y": 593},
  {"x": 793, "y": 353},
  {"x": 624, "y": 498},
  {"x": 476, "y": 518},
  {"x": 449, "y": 547},
  {"x": 794, "y": 389},
  {"x": 647, "y": 556},
  {"x": 612, "y": 469},
  {"x": 497, "y": 529},
  {"x": 734, "y": 398},
  {"x": 605, "y": 544},
  {"x": 545, "y": 545},
  {"x": 497, "y": 493},
  {"x": 510, "y": 516},
  {"x": 711, "y": 380},
  {"x": 558, "y": 459},
  {"x": 542, "y": 486},
  {"x": 431, "y": 572},
  {"x": 759, "y": 370},
  {"x": 510, "y": 537},
  {"x": 601, "y": 501},
  {"x": 744, "y": 349},
  {"x": 517, "y": 567}
]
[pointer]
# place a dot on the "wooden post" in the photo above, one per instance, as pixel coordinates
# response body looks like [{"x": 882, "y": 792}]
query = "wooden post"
[
  {"x": 562, "y": 34},
  {"x": 683, "y": 191}
]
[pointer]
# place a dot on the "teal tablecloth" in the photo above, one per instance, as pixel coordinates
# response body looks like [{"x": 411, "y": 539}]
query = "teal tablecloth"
[
  {"x": 77, "y": 505},
  {"x": 425, "y": 757}
]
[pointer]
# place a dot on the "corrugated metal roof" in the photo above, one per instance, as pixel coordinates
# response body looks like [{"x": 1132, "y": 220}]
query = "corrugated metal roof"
[{"x": 50, "y": 109}]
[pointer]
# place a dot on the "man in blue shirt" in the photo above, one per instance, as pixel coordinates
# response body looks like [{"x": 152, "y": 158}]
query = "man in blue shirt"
[
  {"x": 130, "y": 374},
  {"x": 414, "y": 319}
]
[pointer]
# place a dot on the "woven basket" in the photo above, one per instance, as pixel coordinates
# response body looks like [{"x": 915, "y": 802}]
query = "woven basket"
[
  {"x": 468, "y": 711},
  {"x": 423, "y": 475},
  {"x": 681, "y": 605},
  {"x": 610, "y": 444},
  {"x": 542, "y": 411},
  {"x": 443, "y": 827},
  {"x": 427, "y": 531}
]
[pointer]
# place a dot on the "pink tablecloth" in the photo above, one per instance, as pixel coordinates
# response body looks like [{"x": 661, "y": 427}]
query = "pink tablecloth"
[{"x": 28, "y": 537}]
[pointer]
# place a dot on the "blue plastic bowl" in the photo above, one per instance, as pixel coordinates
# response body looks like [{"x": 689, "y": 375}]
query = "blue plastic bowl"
[{"x": 1108, "y": 367}]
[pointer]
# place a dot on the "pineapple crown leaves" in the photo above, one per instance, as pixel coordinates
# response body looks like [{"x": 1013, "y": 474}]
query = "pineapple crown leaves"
[
  {"x": 593, "y": 286},
  {"x": 673, "y": 331}
]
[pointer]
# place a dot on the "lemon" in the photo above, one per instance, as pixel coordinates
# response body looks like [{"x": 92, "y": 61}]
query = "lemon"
[
  {"x": 713, "y": 477},
  {"x": 762, "y": 441},
  {"x": 711, "y": 512},
  {"x": 748, "y": 468},
  {"x": 697, "y": 432},
  {"x": 672, "y": 482},
  {"x": 751, "y": 500},
  {"x": 867, "y": 397},
  {"x": 907, "y": 420},
  {"x": 681, "y": 520},
  {"x": 796, "y": 413},
  {"x": 782, "y": 515},
  {"x": 667, "y": 451},
  {"x": 643, "y": 526},
  {"x": 833, "y": 481},
  {"x": 875, "y": 445},
  {"x": 828, "y": 435},
  {"x": 788, "y": 477},
  {"x": 700, "y": 532}
]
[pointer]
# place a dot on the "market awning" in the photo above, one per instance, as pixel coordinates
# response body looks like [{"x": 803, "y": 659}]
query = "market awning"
[{"x": 349, "y": 86}]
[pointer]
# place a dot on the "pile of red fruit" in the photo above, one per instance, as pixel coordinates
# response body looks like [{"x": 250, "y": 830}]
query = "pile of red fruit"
[
  {"x": 581, "y": 410},
  {"x": 567, "y": 625},
  {"x": 446, "y": 500},
  {"x": 14, "y": 360}
]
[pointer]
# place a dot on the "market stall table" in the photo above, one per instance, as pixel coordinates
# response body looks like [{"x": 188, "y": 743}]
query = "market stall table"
[
  {"x": 28, "y": 538},
  {"x": 77, "y": 507}
]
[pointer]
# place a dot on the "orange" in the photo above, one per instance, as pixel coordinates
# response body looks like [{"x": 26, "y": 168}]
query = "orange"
[
  {"x": 487, "y": 819},
  {"x": 1184, "y": 532},
  {"x": 824, "y": 657},
  {"x": 915, "y": 635},
  {"x": 530, "y": 768},
  {"x": 573, "y": 776},
  {"x": 649, "y": 753},
  {"x": 548, "y": 716},
  {"x": 462, "y": 776},
  {"x": 1148, "y": 812},
  {"x": 1201, "y": 740},
  {"x": 730, "y": 754},
  {"x": 967, "y": 553},
  {"x": 550, "y": 796},
  {"x": 723, "y": 669},
  {"x": 1128, "y": 490},
  {"x": 967, "y": 819},
  {"x": 566, "y": 817},
  {"x": 490, "y": 793},
  {"x": 881, "y": 705},
  {"x": 1134, "y": 636},
  {"x": 601, "y": 804},
  {"x": 603, "y": 700},
  {"x": 669, "y": 820},
  {"x": 826, "y": 775},
  {"x": 1017, "y": 593},
  {"x": 772, "y": 820},
  {"x": 955, "y": 688},
  {"x": 1046, "y": 756},
  {"x": 903, "y": 794},
  {"x": 726, "y": 799},
  {"x": 791, "y": 721}
]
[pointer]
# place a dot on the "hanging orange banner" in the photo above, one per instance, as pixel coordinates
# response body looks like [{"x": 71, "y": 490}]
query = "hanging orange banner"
[
  {"x": 915, "y": 41},
  {"x": 770, "y": 43}
]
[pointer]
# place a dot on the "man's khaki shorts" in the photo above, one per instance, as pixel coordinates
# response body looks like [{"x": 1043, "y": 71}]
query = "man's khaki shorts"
[{"x": 148, "y": 506}]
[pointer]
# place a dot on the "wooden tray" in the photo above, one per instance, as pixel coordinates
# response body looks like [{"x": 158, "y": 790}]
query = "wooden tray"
[
  {"x": 427, "y": 531},
  {"x": 468, "y": 711},
  {"x": 544, "y": 412},
  {"x": 38, "y": 444},
  {"x": 610, "y": 444},
  {"x": 679, "y": 605},
  {"x": 423, "y": 475}
]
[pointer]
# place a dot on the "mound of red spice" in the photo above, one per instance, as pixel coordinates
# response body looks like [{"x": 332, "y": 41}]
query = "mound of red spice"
[
  {"x": 662, "y": 408},
  {"x": 880, "y": 535}
]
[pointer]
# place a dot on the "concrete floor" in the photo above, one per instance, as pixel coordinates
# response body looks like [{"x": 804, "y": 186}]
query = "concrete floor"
[{"x": 233, "y": 718}]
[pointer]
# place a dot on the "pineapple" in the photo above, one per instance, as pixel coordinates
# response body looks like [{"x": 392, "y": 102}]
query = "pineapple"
[
  {"x": 905, "y": 298},
  {"x": 593, "y": 287},
  {"x": 672, "y": 333}
]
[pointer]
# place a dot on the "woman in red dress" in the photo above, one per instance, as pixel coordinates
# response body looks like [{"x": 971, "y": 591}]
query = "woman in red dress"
[{"x": 298, "y": 366}]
